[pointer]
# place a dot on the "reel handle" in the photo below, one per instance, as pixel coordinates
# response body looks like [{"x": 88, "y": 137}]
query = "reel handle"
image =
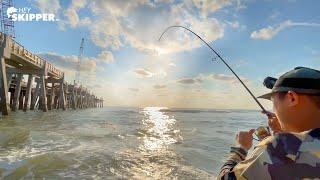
[{"x": 262, "y": 132}]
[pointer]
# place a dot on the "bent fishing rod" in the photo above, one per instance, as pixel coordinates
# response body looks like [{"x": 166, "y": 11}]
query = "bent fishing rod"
[{"x": 218, "y": 55}]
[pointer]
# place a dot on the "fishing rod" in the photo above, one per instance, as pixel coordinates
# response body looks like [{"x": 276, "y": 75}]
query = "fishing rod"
[
  {"x": 261, "y": 132},
  {"x": 217, "y": 54}
]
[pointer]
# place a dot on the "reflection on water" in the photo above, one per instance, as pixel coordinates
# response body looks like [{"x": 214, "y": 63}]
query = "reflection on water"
[
  {"x": 160, "y": 130},
  {"x": 155, "y": 157}
]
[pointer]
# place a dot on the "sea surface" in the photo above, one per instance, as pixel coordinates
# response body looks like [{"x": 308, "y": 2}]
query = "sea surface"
[{"x": 119, "y": 143}]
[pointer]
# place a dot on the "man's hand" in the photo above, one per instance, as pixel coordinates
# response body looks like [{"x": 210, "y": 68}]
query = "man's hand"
[
  {"x": 244, "y": 139},
  {"x": 273, "y": 122}
]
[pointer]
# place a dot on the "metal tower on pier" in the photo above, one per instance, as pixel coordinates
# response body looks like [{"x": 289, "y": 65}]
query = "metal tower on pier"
[
  {"x": 7, "y": 24},
  {"x": 77, "y": 78}
]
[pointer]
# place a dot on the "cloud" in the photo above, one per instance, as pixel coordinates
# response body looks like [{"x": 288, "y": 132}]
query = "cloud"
[
  {"x": 190, "y": 80},
  {"x": 163, "y": 1},
  {"x": 157, "y": 86},
  {"x": 240, "y": 63},
  {"x": 72, "y": 17},
  {"x": 274, "y": 15},
  {"x": 172, "y": 65},
  {"x": 139, "y": 23},
  {"x": 269, "y": 32},
  {"x": 78, "y": 4},
  {"x": 47, "y": 6},
  {"x": 115, "y": 7},
  {"x": 71, "y": 13},
  {"x": 106, "y": 33},
  {"x": 222, "y": 77},
  {"x": 240, "y": 4},
  {"x": 215, "y": 77},
  {"x": 106, "y": 57},
  {"x": 209, "y": 6},
  {"x": 143, "y": 72},
  {"x": 134, "y": 89},
  {"x": 69, "y": 62},
  {"x": 69, "y": 65},
  {"x": 88, "y": 65},
  {"x": 226, "y": 78},
  {"x": 235, "y": 25}
]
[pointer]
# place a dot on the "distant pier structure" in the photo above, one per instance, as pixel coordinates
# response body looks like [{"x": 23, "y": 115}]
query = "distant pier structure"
[{"x": 45, "y": 88}]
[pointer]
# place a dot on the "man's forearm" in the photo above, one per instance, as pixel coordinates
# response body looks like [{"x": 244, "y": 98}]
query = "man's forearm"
[{"x": 236, "y": 155}]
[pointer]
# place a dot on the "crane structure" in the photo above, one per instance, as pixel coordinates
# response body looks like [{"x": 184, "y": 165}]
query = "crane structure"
[
  {"x": 7, "y": 24},
  {"x": 78, "y": 72}
]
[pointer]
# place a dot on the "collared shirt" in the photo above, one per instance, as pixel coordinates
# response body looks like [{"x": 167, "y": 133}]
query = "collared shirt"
[{"x": 282, "y": 156}]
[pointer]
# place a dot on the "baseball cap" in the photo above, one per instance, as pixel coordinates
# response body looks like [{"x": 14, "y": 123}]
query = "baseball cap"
[{"x": 300, "y": 80}]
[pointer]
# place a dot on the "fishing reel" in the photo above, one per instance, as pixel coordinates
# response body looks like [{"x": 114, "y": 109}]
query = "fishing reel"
[{"x": 262, "y": 132}]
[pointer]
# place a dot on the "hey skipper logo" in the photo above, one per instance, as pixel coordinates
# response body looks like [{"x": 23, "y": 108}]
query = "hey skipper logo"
[
  {"x": 10, "y": 11},
  {"x": 24, "y": 14}
]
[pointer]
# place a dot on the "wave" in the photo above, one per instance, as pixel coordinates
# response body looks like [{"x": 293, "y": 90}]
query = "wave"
[
  {"x": 124, "y": 112},
  {"x": 13, "y": 136},
  {"x": 195, "y": 111}
]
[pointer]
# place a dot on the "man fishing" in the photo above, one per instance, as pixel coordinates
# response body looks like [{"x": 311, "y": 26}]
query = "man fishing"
[{"x": 293, "y": 151}]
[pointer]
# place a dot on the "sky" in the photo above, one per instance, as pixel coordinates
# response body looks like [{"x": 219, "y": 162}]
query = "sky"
[{"x": 126, "y": 64}]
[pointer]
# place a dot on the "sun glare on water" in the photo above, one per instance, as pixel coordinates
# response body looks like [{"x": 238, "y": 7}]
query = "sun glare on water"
[{"x": 160, "y": 133}]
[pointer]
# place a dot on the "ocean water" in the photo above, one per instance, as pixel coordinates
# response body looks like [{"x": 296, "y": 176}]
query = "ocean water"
[{"x": 119, "y": 143}]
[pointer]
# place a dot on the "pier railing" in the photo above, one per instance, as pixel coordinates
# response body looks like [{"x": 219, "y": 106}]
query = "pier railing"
[{"x": 18, "y": 49}]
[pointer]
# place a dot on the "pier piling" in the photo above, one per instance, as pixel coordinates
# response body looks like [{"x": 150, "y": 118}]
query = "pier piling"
[
  {"x": 17, "y": 92},
  {"x": 27, "y": 99},
  {"x": 4, "y": 104}
]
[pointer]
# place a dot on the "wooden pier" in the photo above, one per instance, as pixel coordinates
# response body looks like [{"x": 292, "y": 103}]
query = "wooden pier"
[{"x": 45, "y": 89}]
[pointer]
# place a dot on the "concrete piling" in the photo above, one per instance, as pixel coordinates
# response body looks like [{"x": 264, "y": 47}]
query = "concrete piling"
[
  {"x": 62, "y": 95},
  {"x": 35, "y": 96},
  {"x": 27, "y": 100},
  {"x": 51, "y": 99},
  {"x": 4, "y": 102},
  {"x": 17, "y": 92}
]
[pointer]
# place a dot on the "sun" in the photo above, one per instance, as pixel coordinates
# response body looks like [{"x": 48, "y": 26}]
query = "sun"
[{"x": 161, "y": 51}]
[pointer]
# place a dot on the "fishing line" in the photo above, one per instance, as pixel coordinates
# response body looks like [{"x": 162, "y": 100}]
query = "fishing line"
[{"x": 218, "y": 55}]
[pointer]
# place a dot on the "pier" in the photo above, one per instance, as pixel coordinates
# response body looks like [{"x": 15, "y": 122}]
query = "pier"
[{"x": 45, "y": 88}]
